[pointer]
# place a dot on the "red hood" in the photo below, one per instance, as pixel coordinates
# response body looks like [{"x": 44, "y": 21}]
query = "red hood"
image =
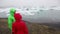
[{"x": 17, "y": 16}]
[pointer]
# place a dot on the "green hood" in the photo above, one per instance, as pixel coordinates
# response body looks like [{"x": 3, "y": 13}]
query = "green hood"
[{"x": 12, "y": 11}]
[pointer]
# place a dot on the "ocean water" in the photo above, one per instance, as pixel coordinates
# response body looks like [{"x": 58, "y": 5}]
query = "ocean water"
[{"x": 34, "y": 15}]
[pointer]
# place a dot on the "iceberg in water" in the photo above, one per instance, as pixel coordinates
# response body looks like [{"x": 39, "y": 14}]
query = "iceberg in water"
[{"x": 35, "y": 14}]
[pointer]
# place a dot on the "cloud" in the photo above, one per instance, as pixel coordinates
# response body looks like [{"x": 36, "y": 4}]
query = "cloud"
[{"x": 32, "y": 3}]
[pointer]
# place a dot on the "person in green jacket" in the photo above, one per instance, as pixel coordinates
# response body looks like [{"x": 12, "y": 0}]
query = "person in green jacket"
[{"x": 11, "y": 18}]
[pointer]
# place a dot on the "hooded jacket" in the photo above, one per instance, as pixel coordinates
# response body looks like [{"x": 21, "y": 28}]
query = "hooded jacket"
[
  {"x": 19, "y": 26},
  {"x": 11, "y": 18}
]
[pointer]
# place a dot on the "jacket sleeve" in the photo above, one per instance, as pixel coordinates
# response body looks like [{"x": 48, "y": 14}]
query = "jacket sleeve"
[
  {"x": 25, "y": 29},
  {"x": 9, "y": 23}
]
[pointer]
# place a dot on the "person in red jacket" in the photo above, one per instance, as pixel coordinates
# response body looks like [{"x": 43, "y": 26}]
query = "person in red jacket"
[{"x": 19, "y": 26}]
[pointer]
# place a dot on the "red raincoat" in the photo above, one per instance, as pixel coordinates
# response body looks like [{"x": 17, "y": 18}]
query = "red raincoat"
[{"x": 19, "y": 26}]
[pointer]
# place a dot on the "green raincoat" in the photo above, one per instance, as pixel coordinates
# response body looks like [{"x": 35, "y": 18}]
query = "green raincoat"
[{"x": 11, "y": 18}]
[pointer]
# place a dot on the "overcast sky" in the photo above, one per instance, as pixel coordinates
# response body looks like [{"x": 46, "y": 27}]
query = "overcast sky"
[{"x": 33, "y": 3}]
